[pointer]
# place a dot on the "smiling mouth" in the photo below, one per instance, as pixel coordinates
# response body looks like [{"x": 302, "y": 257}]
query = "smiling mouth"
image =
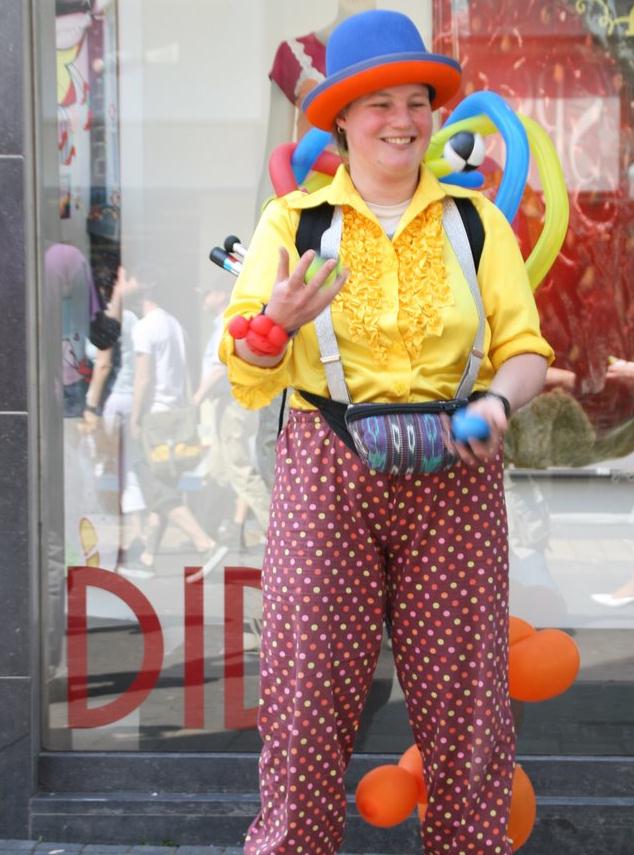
[{"x": 398, "y": 140}]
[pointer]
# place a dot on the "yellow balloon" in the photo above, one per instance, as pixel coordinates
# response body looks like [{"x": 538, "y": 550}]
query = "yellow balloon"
[
  {"x": 551, "y": 177},
  {"x": 439, "y": 167},
  {"x": 476, "y": 124},
  {"x": 556, "y": 218}
]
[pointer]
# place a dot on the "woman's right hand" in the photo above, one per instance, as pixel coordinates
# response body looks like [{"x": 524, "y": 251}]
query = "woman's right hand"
[{"x": 295, "y": 302}]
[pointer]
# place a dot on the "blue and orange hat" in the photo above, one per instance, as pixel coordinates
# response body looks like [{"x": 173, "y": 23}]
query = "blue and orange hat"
[{"x": 371, "y": 51}]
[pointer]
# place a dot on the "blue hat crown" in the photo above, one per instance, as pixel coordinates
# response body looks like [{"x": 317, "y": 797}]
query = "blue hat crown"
[
  {"x": 368, "y": 35},
  {"x": 375, "y": 49}
]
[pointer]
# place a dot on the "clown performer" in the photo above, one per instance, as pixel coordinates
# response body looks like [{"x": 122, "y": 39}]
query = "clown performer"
[{"x": 349, "y": 545}]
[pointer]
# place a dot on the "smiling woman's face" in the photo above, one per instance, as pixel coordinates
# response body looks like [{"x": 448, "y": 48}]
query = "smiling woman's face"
[{"x": 388, "y": 132}]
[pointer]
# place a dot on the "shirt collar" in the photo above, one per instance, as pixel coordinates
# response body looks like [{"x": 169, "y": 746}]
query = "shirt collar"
[{"x": 341, "y": 191}]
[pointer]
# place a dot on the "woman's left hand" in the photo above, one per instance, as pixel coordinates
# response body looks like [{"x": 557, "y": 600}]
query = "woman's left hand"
[{"x": 490, "y": 409}]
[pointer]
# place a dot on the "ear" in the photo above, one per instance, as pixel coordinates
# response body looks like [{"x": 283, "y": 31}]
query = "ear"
[{"x": 340, "y": 120}]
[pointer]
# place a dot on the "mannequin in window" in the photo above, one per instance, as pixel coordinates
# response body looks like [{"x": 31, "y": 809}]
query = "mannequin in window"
[{"x": 298, "y": 66}]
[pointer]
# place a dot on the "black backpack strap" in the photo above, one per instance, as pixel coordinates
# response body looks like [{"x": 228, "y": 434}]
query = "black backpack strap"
[
  {"x": 280, "y": 417},
  {"x": 313, "y": 222},
  {"x": 473, "y": 226}
]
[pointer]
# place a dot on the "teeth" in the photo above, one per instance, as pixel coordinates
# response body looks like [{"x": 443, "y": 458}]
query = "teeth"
[{"x": 398, "y": 140}]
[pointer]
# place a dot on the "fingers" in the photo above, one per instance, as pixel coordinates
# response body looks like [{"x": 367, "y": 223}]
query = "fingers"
[
  {"x": 465, "y": 453},
  {"x": 475, "y": 451},
  {"x": 325, "y": 294},
  {"x": 299, "y": 274},
  {"x": 317, "y": 279},
  {"x": 298, "y": 277},
  {"x": 461, "y": 450}
]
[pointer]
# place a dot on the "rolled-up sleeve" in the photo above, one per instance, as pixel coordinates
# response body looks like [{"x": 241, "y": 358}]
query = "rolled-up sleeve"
[
  {"x": 508, "y": 299},
  {"x": 252, "y": 385}
]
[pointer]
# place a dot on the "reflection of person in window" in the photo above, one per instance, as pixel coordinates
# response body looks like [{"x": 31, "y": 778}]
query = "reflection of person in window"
[
  {"x": 232, "y": 459},
  {"x": 123, "y": 290},
  {"x": 619, "y": 371},
  {"x": 160, "y": 384},
  {"x": 115, "y": 418},
  {"x": 68, "y": 275},
  {"x": 84, "y": 318}
]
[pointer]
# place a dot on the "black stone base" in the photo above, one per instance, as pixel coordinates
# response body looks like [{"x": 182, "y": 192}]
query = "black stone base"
[{"x": 585, "y": 805}]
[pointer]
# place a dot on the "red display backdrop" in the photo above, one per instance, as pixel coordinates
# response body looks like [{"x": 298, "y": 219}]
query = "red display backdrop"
[{"x": 570, "y": 67}]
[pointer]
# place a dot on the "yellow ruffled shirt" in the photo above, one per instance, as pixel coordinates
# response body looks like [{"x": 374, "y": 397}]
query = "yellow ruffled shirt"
[{"x": 405, "y": 319}]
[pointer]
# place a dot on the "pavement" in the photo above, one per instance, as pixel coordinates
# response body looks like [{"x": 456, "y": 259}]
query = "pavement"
[{"x": 34, "y": 847}]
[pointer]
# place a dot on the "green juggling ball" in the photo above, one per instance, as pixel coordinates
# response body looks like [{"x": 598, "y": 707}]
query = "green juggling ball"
[{"x": 315, "y": 266}]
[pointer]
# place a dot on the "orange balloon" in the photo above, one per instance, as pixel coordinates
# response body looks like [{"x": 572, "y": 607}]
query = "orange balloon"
[
  {"x": 386, "y": 796},
  {"x": 519, "y": 630},
  {"x": 523, "y": 809},
  {"x": 412, "y": 761},
  {"x": 543, "y": 665}
]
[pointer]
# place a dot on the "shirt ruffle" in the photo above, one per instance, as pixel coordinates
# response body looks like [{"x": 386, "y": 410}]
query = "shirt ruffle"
[
  {"x": 361, "y": 298},
  {"x": 423, "y": 286}
]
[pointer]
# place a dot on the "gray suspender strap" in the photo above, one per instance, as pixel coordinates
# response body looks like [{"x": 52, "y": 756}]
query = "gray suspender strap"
[
  {"x": 328, "y": 348},
  {"x": 457, "y": 236}
]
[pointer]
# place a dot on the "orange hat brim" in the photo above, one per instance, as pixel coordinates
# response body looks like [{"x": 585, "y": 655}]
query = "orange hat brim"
[{"x": 328, "y": 99}]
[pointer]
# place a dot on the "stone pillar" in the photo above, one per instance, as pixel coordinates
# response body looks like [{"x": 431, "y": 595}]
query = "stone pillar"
[{"x": 18, "y": 614}]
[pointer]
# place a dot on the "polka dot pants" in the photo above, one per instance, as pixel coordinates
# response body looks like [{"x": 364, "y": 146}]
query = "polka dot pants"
[{"x": 345, "y": 546}]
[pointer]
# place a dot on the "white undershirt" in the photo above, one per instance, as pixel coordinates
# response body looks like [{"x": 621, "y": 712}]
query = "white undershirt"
[{"x": 389, "y": 215}]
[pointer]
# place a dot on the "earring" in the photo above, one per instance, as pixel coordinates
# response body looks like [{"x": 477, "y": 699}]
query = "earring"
[{"x": 340, "y": 130}]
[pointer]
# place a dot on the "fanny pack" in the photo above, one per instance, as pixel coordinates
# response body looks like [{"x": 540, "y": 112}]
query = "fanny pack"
[{"x": 396, "y": 438}]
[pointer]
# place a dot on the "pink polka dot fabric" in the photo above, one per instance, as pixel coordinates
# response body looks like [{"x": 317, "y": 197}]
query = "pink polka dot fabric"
[{"x": 345, "y": 546}]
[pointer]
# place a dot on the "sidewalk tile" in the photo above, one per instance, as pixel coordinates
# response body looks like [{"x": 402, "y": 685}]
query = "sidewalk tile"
[
  {"x": 47, "y": 848},
  {"x": 152, "y": 850},
  {"x": 13, "y": 847},
  {"x": 199, "y": 850},
  {"x": 105, "y": 849}
]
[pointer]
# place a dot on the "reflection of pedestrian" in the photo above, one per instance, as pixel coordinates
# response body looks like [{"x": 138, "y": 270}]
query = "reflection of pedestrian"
[
  {"x": 619, "y": 371},
  {"x": 346, "y": 544},
  {"x": 160, "y": 385},
  {"x": 84, "y": 318},
  {"x": 112, "y": 431},
  {"x": 116, "y": 421},
  {"x": 68, "y": 275},
  {"x": 622, "y": 596},
  {"x": 231, "y": 461}
]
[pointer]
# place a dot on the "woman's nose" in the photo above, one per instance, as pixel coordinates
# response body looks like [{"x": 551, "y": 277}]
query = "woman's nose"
[{"x": 401, "y": 117}]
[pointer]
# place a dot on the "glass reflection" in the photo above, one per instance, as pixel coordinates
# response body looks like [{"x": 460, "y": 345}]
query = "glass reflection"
[{"x": 167, "y": 479}]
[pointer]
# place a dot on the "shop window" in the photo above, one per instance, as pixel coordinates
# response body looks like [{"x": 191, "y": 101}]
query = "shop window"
[{"x": 165, "y": 117}]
